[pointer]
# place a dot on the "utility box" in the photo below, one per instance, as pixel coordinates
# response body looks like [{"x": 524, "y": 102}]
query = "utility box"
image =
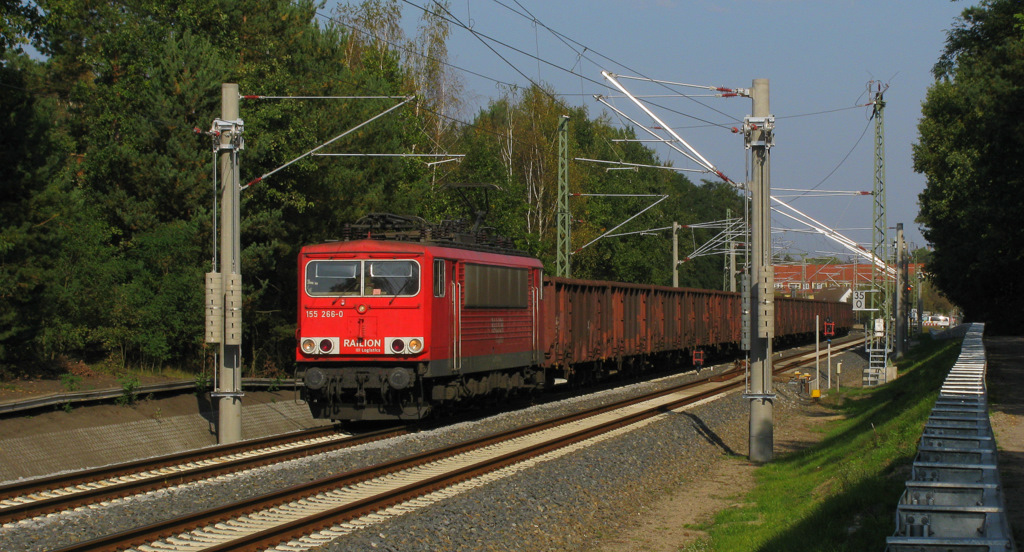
[
  {"x": 233, "y": 310},
  {"x": 214, "y": 307}
]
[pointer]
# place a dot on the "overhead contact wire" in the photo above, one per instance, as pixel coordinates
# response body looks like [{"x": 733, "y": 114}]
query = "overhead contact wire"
[{"x": 332, "y": 140}]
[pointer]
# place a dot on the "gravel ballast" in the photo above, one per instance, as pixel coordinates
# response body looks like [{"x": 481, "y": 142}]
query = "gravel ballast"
[{"x": 567, "y": 503}]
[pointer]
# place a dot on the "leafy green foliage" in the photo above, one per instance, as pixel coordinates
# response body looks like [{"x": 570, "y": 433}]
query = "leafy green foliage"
[
  {"x": 971, "y": 153},
  {"x": 107, "y": 209},
  {"x": 129, "y": 390},
  {"x": 19, "y": 25},
  {"x": 513, "y": 143},
  {"x": 70, "y": 382}
]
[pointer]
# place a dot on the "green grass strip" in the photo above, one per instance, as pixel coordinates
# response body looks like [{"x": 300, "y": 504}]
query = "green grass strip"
[{"x": 841, "y": 494}]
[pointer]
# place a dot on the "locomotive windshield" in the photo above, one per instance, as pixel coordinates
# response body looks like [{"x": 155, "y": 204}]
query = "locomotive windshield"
[{"x": 362, "y": 278}]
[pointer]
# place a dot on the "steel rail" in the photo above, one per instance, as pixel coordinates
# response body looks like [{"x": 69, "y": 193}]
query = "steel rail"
[
  {"x": 28, "y": 498},
  {"x": 328, "y": 518},
  {"x": 333, "y": 516}
]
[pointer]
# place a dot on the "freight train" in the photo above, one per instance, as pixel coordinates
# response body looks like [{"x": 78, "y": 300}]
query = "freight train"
[{"x": 401, "y": 317}]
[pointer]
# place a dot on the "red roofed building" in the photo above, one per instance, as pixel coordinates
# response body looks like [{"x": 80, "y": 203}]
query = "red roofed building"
[{"x": 818, "y": 281}]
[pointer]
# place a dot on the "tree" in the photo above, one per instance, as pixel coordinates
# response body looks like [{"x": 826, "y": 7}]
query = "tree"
[
  {"x": 106, "y": 212},
  {"x": 972, "y": 155},
  {"x": 107, "y": 224},
  {"x": 512, "y": 143},
  {"x": 30, "y": 220},
  {"x": 19, "y": 26}
]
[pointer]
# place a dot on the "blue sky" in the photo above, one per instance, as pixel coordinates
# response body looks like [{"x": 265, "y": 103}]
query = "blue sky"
[{"x": 818, "y": 55}]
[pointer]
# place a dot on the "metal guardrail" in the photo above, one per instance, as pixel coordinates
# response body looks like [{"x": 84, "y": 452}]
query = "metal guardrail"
[
  {"x": 100, "y": 395},
  {"x": 954, "y": 499}
]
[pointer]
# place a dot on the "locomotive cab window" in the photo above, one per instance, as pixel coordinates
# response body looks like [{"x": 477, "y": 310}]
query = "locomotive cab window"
[
  {"x": 439, "y": 282},
  {"x": 400, "y": 278},
  {"x": 330, "y": 278},
  {"x": 333, "y": 277}
]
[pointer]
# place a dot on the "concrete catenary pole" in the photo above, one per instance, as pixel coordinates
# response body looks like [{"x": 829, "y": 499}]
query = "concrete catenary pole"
[
  {"x": 901, "y": 297},
  {"x": 229, "y": 394},
  {"x": 675, "y": 254},
  {"x": 760, "y": 127},
  {"x": 920, "y": 301},
  {"x": 817, "y": 352},
  {"x": 732, "y": 255}
]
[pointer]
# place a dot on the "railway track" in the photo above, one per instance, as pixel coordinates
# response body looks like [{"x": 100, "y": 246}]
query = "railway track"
[
  {"x": 304, "y": 516},
  {"x": 68, "y": 491}
]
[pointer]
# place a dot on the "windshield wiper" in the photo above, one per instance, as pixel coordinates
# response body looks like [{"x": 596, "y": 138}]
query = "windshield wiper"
[{"x": 400, "y": 290}]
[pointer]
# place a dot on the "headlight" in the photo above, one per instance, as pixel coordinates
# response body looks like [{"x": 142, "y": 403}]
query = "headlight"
[
  {"x": 321, "y": 345},
  {"x": 403, "y": 345}
]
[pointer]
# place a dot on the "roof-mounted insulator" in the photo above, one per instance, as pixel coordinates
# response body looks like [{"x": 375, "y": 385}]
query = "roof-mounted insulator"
[
  {"x": 252, "y": 97},
  {"x": 211, "y": 132}
]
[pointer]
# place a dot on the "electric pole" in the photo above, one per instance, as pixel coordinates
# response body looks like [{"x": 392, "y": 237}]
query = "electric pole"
[
  {"x": 224, "y": 288},
  {"x": 564, "y": 245},
  {"x": 759, "y": 134},
  {"x": 880, "y": 328},
  {"x": 729, "y": 283},
  {"x": 901, "y": 297},
  {"x": 675, "y": 254}
]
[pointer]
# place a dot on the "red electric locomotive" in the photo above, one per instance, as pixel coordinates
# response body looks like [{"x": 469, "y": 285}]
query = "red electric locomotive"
[{"x": 388, "y": 326}]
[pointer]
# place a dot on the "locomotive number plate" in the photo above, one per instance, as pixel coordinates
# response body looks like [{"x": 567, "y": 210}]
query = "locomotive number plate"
[{"x": 324, "y": 313}]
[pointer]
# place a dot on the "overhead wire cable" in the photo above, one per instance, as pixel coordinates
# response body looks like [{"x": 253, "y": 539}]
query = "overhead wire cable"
[
  {"x": 332, "y": 140},
  {"x": 481, "y": 37},
  {"x": 413, "y": 52},
  {"x": 259, "y": 97},
  {"x": 565, "y": 38},
  {"x": 841, "y": 162},
  {"x": 484, "y": 38},
  {"x": 623, "y": 115},
  {"x": 445, "y": 63}
]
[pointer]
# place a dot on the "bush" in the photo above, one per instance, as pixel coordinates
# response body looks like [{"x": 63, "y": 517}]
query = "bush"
[{"x": 129, "y": 390}]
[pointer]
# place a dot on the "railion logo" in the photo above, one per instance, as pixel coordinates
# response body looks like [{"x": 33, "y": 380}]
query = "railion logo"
[{"x": 364, "y": 343}]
